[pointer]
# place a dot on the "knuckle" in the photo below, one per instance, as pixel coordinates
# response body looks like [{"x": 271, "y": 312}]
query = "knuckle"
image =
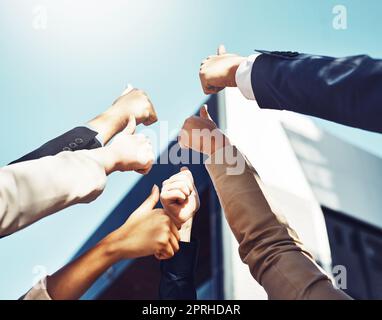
[{"x": 161, "y": 242}]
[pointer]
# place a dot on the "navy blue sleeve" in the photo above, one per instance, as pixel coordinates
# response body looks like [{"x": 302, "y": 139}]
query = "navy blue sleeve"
[
  {"x": 344, "y": 90},
  {"x": 79, "y": 138},
  {"x": 178, "y": 273}
]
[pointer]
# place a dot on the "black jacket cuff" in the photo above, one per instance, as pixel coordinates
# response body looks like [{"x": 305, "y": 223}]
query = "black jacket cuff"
[{"x": 183, "y": 264}]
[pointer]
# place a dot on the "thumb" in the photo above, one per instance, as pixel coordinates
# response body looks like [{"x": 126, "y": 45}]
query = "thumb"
[
  {"x": 151, "y": 200},
  {"x": 128, "y": 89},
  {"x": 204, "y": 112},
  {"x": 131, "y": 125},
  {"x": 188, "y": 172},
  {"x": 221, "y": 50}
]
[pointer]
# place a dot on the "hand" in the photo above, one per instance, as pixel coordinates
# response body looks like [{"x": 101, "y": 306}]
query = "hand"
[
  {"x": 131, "y": 152},
  {"x": 201, "y": 134},
  {"x": 133, "y": 103},
  {"x": 179, "y": 197},
  {"x": 147, "y": 231},
  {"x": 219, "y": 71}
]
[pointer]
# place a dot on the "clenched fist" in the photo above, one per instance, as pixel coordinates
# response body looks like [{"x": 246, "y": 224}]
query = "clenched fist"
[
  {"x": 134, "y": 103},
  {"x": 179, "y": 197},
  {"x": 219, "y": 71},
  {"x": 201, "y": 134}
]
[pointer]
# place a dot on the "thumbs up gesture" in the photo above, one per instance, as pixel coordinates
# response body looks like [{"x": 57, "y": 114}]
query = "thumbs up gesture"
[
  {"x": 130, "y": 151},
  {"x": 148, "y": 231},
  {"x": 219, "y": 71},
  {"x": 201, "y": 134}
]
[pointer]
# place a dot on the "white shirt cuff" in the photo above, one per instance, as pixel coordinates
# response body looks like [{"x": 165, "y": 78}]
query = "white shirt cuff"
[
  {"x": 98, "y": 136},
  {"x": 243, "y": 77}
]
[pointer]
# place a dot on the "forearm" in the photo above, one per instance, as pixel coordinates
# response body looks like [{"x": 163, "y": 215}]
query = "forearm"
[
  {"x": 107, "y": 125},
  {"x": 34, "y": 189},
  {"x": 74, "y": 279},
  {"x": 271, "y": 249}
]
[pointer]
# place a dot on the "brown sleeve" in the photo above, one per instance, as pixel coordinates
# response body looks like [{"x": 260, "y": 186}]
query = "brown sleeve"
[{"x": 270, "y": 248}]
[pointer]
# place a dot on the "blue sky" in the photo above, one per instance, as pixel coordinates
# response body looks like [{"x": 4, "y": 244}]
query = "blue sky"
[{"x": 59, "y": 77}]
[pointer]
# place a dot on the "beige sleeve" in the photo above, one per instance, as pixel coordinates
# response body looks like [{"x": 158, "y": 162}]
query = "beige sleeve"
[
  {"x": 34, "y": 189},
  {"x": 38, "y": 292},
  {"x": 271, "y": 249}
]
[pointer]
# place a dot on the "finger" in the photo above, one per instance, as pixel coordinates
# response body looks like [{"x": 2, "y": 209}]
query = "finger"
[
  {"x": 168, "y": 252},
  {"x": 152, "y": 117},
  {"x": 183, "y": 176},
  {"x": 221, "y": 50},
  {"x": 175, "y": 231},
  {"x": 183, "y": 186},
  {"x": 158, "y": 256},
  {"x": 212, "y": 90},
  {"x": 173, "y": 195},
  {"x": 174, "y": 243},
  {"x": 146, "y": 169},
  {"x": 204, "y": 112},
  {"x": 151, "y": 200},
  {"x": 131, "y": 125},
  {"x": 128, "y": 89},
  {"x": 143, "y": 171},
  {"x": 185, "y": 171}
]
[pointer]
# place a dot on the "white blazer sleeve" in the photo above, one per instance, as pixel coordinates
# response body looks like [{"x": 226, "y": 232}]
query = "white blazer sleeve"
[
  {"x": 38, "y": 292},
  {"x": 34, "y": 189}
]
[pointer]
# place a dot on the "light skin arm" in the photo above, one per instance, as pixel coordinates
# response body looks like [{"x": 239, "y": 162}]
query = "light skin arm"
[{"x": 134, "y": 103}]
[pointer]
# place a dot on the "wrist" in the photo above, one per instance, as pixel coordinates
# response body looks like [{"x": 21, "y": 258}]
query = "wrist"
[
  {"x": 107, "y": 158},
  {"x": 107, "y": 252},
  {"x": 185, "y": 231},
  {"x": 218, "y": 142},
  {"x": 107, "y": 125},
  {"x": 112, "y": 248}
]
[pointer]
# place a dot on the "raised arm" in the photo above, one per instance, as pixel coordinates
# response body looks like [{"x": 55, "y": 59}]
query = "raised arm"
[
  {"x": 344, "y": 90},
  {"x": 147, "y": 231},
  {"x": 270, "y": 248},
  {"x": 34, "y": 189},
  {"x": 97, "y": 132},
  {"x": 180, "y": 200}
]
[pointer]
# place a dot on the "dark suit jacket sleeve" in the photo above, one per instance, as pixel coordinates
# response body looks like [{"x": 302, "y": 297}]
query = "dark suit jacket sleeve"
[
  {"x": 178, "y": 274},
  {"x": 344, "y": 90},
  {"x": 79, "y": 138}
]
